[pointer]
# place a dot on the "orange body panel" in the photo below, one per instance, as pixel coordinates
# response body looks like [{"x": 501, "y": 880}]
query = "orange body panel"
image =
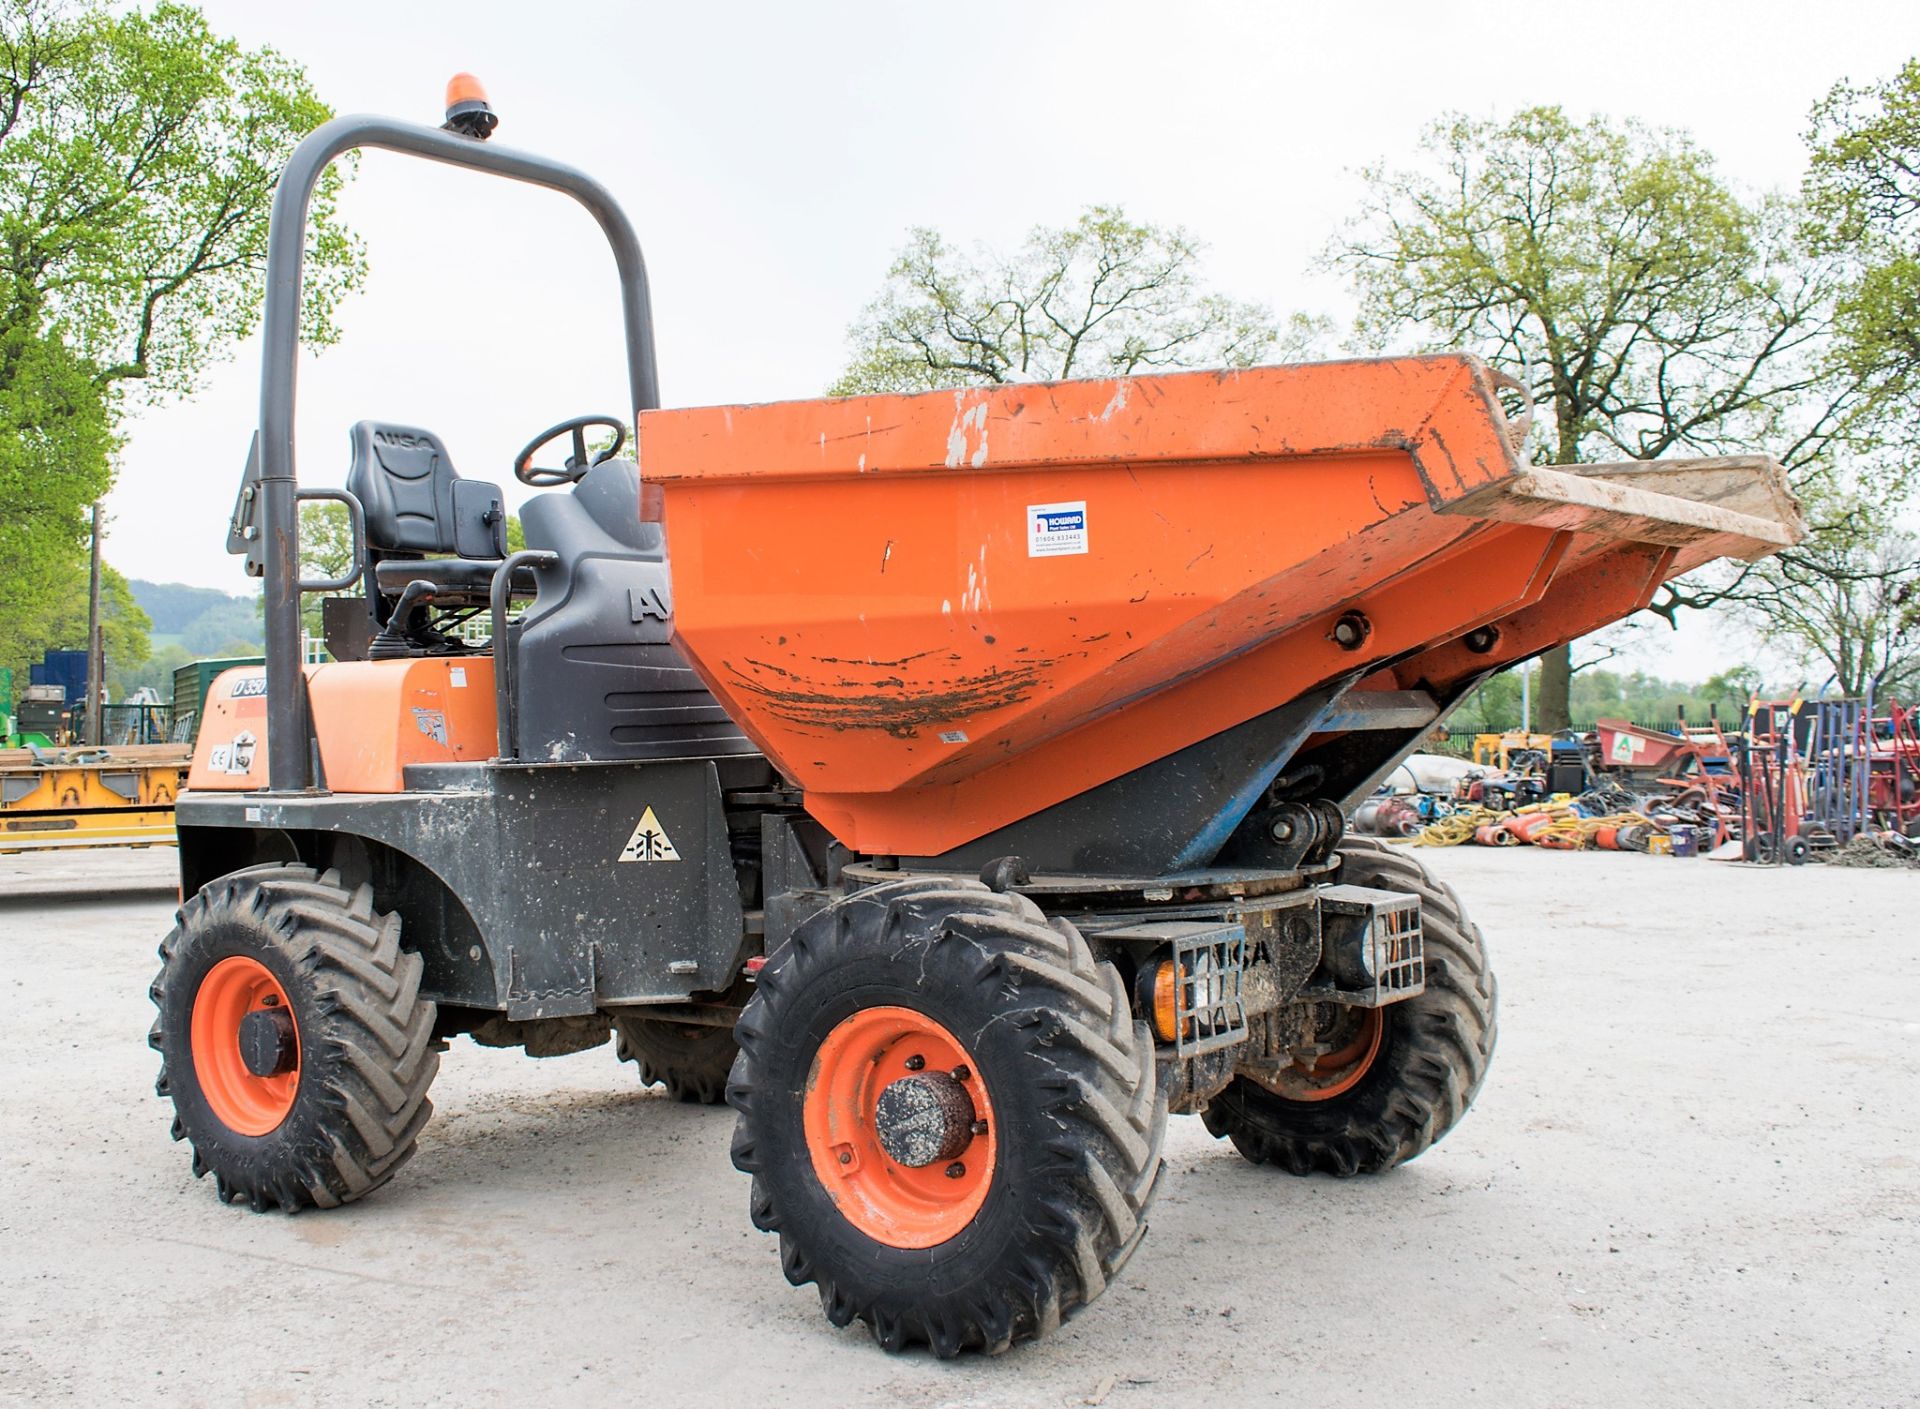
[
  {"x": 372, "y": 719},
  {"x": 230, "y": 748},
  {"x": 941, "y": 613}
]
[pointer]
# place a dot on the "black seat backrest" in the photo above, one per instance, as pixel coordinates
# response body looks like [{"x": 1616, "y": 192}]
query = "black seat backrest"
[
  {"x": 416, "y": 502},
  {"x": 596, "y": 674}
]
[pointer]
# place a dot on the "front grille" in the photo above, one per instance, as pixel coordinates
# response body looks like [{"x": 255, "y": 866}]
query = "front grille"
[
  {"x": 1372, "y": 948},
  {"x": 1209, "y": 1011},
  {"x": 1399, "y": 951}
]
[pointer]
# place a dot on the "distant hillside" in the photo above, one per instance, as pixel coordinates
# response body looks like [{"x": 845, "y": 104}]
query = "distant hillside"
[{"x": 202, "y": 619}]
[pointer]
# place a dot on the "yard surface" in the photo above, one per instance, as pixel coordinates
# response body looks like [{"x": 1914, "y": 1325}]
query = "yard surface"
[{"x": 1693, "y": 1178}]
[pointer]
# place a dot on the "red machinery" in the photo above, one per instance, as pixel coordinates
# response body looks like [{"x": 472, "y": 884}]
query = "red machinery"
[
  {"x": 1696, "y": 766},
  {"x": 1817, "y": 773},
  {"x": 1893, "y": 762}
]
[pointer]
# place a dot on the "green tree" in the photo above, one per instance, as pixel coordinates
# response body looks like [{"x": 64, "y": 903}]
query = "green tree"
[
  {"x": 62, "y": 625},
  {"x": 1864, "y": 189},
  {"x": 1847, "y": 607},
  {"x": 138, "y": 153},
  {"x": 1104, "y": 296},
  {"x": 157, "y": 671},
  {"x": 1647, "y": 308},
  {"x": 1733, "y": 687},
  {"x": 55, "y": 440}
]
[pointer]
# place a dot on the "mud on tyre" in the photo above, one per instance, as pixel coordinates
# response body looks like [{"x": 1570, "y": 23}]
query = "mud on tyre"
[
  {"x": 293, "y": 1041},
  {"x": 968, "y": 1206},
  {"x": 691, "y": 1061}
]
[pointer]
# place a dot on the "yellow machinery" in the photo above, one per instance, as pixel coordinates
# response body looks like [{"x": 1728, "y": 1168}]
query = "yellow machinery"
[
  {"x": 52, "y": 799},
  {"x": 1497, "y": 750}
]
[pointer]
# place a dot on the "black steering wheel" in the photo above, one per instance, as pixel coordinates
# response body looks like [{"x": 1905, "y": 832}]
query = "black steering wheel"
[{"x": 579, "y": 462}]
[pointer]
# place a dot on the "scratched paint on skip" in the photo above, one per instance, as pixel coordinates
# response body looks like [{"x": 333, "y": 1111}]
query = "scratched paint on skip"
[
  {"x": 970, "y": 600},
  {"x": 968, "y": 421},
  {"x": 837, "y": 695}
]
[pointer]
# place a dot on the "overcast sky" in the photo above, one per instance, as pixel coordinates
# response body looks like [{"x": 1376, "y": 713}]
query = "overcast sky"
[{"x": 773, "y": 155}]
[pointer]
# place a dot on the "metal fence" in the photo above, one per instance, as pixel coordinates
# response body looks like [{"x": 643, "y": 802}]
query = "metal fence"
[{"x": 135, "y": 724}]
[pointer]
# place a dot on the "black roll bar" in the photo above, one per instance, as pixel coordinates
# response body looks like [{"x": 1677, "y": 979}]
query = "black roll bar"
[
  {"x": 289, "y": 762},
  {"x": 499, "y": 592}
]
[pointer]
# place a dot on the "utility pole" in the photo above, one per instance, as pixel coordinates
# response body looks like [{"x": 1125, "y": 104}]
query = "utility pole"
[{"x": 96, "y": 648}]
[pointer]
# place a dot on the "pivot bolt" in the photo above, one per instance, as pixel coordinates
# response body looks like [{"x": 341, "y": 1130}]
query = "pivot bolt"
[{"x": 1350, "y": 632}]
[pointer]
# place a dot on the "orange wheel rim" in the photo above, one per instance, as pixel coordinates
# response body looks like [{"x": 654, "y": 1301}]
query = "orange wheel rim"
[
  {"x": 243, "y": 1102},
  {"x": 1338, "y": 1072},
  {"x": 892, "y": 1202}
]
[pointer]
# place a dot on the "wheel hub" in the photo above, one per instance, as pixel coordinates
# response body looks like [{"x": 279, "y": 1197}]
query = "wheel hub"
[
  {"x": 890, "y": 1104},
  {"x": 1340, "y": 1047},
  {"x": 924, "y": 1119},
  {"x": 246, "y": 1046},
  {"x": 267, "y": 1042}
]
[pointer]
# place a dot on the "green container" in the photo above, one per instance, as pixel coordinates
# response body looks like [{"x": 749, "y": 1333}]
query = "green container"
[{"x": 190, "y": 686}]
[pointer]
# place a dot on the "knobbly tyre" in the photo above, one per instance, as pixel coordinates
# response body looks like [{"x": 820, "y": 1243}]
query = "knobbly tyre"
[{"x": 962, "y": 796}]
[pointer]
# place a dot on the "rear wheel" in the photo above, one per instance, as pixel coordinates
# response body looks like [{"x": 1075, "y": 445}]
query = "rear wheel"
[
  {"x": 293, "y": 1040},
  {"x": 690, "y": 1061},
  {"x": 950, "y": 1115},
  {"x": 1394, "y": 1080}
]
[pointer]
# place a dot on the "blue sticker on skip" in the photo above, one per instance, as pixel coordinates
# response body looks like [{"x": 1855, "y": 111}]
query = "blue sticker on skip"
[{"x": 1056, "y": 529}]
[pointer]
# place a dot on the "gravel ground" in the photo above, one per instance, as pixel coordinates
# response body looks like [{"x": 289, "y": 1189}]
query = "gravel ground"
[{"x": 1693, "y": 1179}]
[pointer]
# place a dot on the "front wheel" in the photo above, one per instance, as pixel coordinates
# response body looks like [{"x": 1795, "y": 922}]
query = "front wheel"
[
  {"x": 950, "y": 1115},
  {"x": 293, "y": 1040},
  {"x": 1393, "y": 1080}
]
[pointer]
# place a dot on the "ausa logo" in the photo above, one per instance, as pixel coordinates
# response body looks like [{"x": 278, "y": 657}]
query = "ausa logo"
[
  {"x": 432, "y": 723},
  {"x": 649, "y": 841}
]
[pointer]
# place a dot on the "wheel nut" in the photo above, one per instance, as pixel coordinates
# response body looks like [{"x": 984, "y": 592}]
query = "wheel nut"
[
  {"x": 916, "y": 1062},
  {"x": 956, "y": 1170},
  {"x": 979, "y": 1127},
  {"x": 963, "y": 1072}
]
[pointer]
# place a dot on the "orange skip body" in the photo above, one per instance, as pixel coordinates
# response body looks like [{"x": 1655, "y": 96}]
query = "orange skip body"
[{"x": 942, "y": 613}]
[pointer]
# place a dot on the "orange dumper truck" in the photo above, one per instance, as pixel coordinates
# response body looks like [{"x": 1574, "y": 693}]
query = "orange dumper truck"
[{"x": 952, "y": 783}]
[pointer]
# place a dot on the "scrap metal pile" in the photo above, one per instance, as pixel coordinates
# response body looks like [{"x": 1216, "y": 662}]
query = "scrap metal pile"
[{"x": 1804, "y": 780}]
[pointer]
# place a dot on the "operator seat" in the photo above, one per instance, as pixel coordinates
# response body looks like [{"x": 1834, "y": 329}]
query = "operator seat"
[
  {"x": 596, "y": 674},
  {"x": 416, "y": 505}
]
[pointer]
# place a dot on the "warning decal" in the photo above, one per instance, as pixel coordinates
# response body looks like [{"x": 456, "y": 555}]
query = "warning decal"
[{"x": 649, "y": 841}]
